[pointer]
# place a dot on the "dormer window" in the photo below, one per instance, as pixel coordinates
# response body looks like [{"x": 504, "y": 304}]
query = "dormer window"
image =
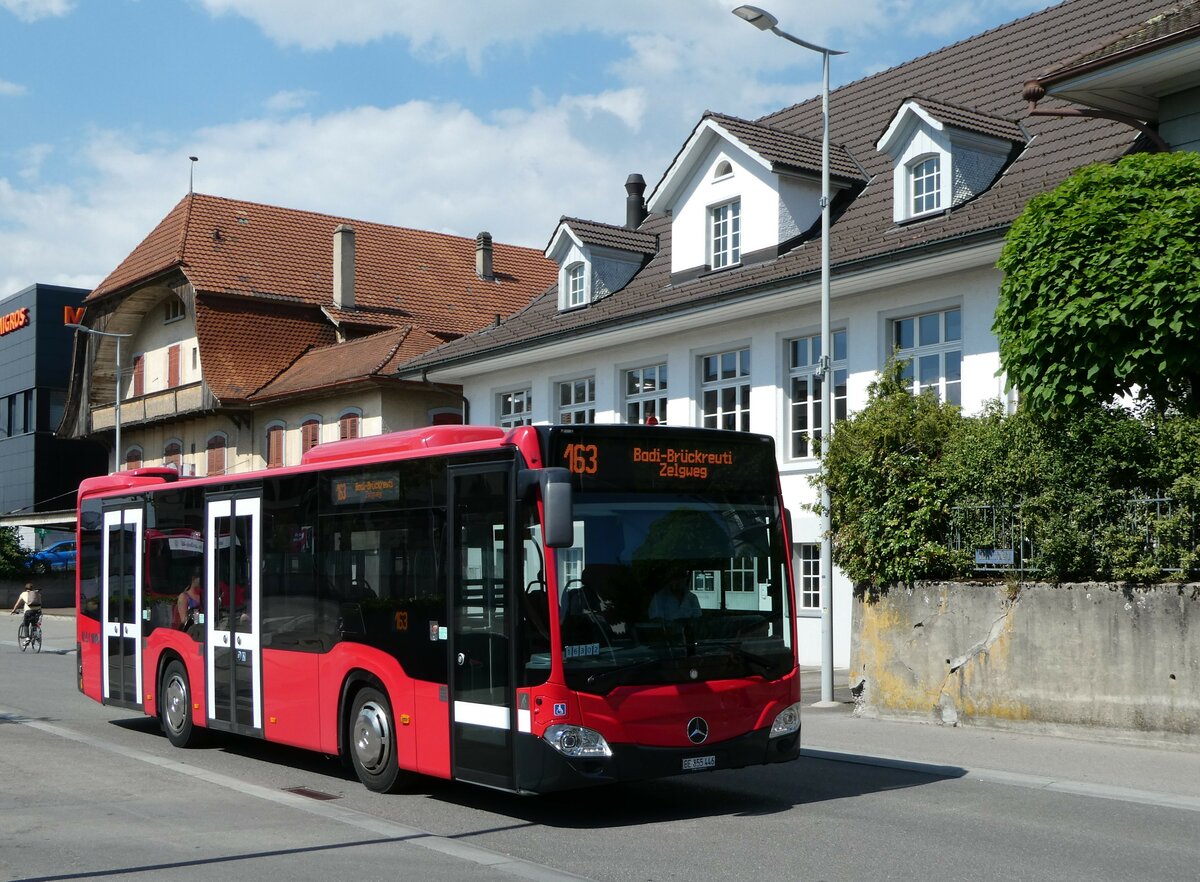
[
  {"x": 925, "y": 183},
  {"x": 576, "y": 294},
  {"x": 726, "y": 239},
  {"x": 944, "y": 156},
  {"x": 595, "y": 260}
]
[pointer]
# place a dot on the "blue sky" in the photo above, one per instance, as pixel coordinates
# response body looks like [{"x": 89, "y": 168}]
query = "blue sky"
[{"x": 498, "y": 116}]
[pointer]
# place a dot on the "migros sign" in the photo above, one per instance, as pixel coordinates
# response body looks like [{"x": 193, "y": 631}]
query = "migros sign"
[{"x": 14, "y": 321}]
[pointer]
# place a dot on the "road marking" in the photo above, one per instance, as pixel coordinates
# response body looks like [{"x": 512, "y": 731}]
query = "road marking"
[
  {"x": 330, "y": 811},
  {"x": 1013, "y": 779}
]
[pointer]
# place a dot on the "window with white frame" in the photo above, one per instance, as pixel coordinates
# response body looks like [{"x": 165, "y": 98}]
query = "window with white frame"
[
  {"x": 804, "y": 391},
  {"x": 925, "y": 183},
  {"x": 172, "y": 310},
  {"x": 514, "y": 409},
  {"x": 931, "y": 344},
  {"x": 577, "y": 401},
  {"x": 725, "y": 390},
  {"x": 725, "y": 241},
  {"x": 646, "y": 394},
  {"x": 576, "y": 294},
  {"x": 806, "y": 564}
]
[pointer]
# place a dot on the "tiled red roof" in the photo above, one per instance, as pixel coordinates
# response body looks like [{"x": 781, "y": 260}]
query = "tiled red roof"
[
  {"x": 244, "y": 343},
  {"x": 229, "y": 246},
  {"x": 372, "y": 358},
  {"x": 984, "y": 74},
  {"x": 263, "y": 277}
]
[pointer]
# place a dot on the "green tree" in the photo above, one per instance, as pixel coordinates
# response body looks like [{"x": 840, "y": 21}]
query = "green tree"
[
  {"x": 12, "y": 555},
  {"x": 889, "y": 505},
  {"x": 1101, "y": 290}
]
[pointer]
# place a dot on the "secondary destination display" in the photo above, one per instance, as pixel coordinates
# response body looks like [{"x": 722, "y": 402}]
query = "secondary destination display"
[{"x": 355, "y": 490}]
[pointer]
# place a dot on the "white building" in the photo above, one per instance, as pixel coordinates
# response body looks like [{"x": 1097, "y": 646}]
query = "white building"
[{"x": 706, "y": 311}]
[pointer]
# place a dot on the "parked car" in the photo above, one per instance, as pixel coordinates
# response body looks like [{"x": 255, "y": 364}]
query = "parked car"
[{"x": 59, "y": 556}]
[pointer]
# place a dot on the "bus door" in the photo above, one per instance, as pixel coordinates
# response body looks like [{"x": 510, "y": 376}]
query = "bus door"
[
  {"x": 121, "y": 598},
  {"x": 481, "y": 678},
  {"x": 233, "y": 620}
]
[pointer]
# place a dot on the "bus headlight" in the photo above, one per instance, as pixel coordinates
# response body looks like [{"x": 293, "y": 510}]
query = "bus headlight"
[
  {"x": 577, "y": 741},
  {"x": 787, "y": 722}
]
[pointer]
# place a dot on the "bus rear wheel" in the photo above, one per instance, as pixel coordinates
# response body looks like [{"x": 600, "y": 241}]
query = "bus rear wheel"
[
  {"x": 372, "y": 742},
  {"x": 175, "y": 707}
]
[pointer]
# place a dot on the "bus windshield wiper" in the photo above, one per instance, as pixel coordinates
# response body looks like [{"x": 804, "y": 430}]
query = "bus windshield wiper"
[
  {"x": 765, "y": 666},
  {"x": 605, "y": 676}
]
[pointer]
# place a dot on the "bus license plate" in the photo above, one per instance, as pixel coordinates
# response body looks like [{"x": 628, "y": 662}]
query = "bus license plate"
[{"x": 691, "y": 763}]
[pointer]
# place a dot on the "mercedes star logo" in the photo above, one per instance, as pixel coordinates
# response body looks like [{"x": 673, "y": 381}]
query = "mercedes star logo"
[{"x": 697, "y": 730}]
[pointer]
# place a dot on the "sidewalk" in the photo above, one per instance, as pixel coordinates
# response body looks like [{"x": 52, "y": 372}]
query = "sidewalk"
[{"x": 1004, "y": 755}]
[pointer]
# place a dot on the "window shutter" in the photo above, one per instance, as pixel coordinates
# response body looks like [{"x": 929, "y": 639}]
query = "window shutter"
[
  {"x": 216, "y": 455},
  {"x": 139, "y": 375},
  {"x": 173, "y": 456},
  {"x": 275, "y": 447},
  {"x": 310, "y": 435},
  {"x": 173, "y": 366},
  {"x": 133, "y": 458},
  {"x": 348, "y": 426}
]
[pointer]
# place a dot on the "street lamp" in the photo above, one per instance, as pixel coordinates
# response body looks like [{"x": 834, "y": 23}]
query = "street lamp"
[
  {"x": 764, "y": 21},
  {"x": 117, "y": 396}
]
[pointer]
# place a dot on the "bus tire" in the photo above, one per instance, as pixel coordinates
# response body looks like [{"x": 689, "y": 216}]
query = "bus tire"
[
  {"x": 371, "y": 741},
  {"x": 175, "y": 706}
]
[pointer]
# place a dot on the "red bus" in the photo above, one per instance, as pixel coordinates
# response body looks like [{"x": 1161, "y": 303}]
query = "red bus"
[{"x": 536, "y": 609}]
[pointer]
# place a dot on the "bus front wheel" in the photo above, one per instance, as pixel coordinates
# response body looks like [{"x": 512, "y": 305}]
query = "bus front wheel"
[
  {"x": 175, "y": 707},
  {"x": 372, "y": 742}
]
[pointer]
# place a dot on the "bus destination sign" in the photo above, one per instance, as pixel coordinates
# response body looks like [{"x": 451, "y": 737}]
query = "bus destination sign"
[
  {"x": 604, "y": 459},
  {"x": 683, "y": 462},
  {"x": 357, "y": 489}
]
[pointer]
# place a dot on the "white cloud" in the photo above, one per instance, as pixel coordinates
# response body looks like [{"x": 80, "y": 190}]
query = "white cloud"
[
  {"x": 289, "y": 99},
  {"x": 417, "y": 165},
  {"x": 431, "y": 165},
  {"x": 7, "y": 88},
  {"x": 32, "y": 10}
]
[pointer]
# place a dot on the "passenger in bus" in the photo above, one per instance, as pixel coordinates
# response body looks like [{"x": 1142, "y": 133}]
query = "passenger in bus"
[
  {"x": 675, "y": 600},
  {"x": 187, "y": 607}
]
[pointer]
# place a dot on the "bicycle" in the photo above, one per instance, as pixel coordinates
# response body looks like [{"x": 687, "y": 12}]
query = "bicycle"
[{"x": 29, "y": 632}]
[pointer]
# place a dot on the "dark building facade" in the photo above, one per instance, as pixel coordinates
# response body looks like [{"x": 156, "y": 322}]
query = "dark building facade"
[{"x": 39, "y": 472}]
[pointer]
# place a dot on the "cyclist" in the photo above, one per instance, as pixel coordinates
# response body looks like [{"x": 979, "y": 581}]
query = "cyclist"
[{"x": 32, "y": 598}]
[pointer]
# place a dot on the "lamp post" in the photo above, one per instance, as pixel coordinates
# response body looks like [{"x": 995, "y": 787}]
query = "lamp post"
[
  {"x": 117, "y": 395},
  {"x": 764, "y": 21}
]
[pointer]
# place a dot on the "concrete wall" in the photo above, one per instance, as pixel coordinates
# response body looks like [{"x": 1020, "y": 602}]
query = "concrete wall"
[
  {"x": 1107, "y": 657},
  {"x": 58, "y": 592}
]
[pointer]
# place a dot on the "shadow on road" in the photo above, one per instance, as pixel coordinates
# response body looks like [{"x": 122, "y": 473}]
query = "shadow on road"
[{"x": 816, "y": 777}]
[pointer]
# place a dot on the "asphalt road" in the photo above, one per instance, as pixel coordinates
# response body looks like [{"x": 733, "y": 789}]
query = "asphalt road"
[{"x": 92, "y": 792}]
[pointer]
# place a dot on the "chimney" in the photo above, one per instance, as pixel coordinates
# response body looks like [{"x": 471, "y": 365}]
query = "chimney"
[
  {"x": 635, "y": 202},
  {"x": 343, "y": 267},
  {"x": 483, "y": 256}
]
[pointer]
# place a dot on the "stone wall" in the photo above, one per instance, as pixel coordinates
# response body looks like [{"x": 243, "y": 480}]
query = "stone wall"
[{"x": 1111, "y": 657}]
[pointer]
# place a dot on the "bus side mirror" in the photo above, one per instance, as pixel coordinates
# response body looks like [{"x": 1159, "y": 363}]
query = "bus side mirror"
[
  {"x": 556, "y": 502},
  {"x": 787, "y": 519}
]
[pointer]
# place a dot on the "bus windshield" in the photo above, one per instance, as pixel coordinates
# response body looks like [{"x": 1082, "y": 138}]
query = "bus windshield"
[{"x": 674, "y": 579}]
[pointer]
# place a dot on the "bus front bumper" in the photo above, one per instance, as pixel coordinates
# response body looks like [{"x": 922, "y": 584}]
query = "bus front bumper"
[{"x": 543, "y": 769}]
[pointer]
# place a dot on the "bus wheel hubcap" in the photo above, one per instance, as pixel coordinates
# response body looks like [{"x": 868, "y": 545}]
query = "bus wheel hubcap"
[
  {"x": 371, "y": 737},
  {"x": 176, "y": 704}
]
